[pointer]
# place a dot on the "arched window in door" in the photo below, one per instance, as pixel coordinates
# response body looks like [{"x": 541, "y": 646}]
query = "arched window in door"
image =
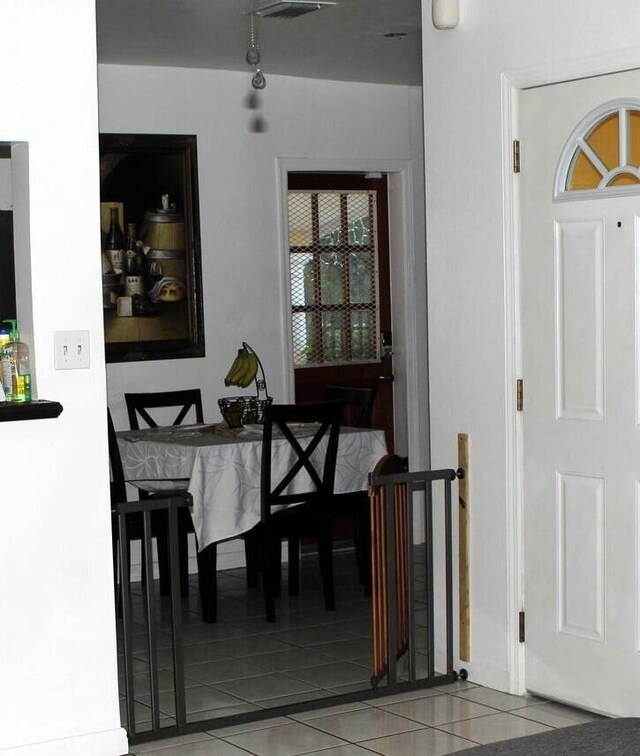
[{"x": 602, "y": 155}]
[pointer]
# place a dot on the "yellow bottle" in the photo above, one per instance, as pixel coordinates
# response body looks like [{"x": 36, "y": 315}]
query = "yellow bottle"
[{"x": 16, "y": 371}]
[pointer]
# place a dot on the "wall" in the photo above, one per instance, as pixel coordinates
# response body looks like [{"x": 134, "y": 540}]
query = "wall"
[
  {"x": 239, "y": 199},
  {"x": 5, "y": 184},
  {"x": 57, "y": 634},
  {"x": 466, "y": 261}
]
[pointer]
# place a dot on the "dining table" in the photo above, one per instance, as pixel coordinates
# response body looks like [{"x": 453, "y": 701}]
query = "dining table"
[{"x": 220, "y": 468}]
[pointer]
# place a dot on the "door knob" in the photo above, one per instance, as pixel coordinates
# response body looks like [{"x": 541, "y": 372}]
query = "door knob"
[{"x": 386, "y": 378}]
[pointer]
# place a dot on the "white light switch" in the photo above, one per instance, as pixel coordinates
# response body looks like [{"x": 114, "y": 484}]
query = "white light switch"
[{"x": 71, "y": 350}]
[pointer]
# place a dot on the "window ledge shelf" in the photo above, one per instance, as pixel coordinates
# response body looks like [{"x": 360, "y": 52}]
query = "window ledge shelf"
[{"x": 38, "y": 409}]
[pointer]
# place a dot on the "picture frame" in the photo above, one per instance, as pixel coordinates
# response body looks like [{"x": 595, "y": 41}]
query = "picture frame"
[{"x": 151, "y": 180}]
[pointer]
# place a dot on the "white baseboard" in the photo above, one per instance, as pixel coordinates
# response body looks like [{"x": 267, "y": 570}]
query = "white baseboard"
[{"x": 107, "y": 743}]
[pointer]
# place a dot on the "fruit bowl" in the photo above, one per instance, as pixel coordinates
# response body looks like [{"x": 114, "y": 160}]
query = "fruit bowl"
[{"x": 238, "y": 410}]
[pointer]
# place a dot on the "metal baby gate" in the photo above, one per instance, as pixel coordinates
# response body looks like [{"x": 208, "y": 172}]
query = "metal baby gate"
[{"x": 411, "y": 600}]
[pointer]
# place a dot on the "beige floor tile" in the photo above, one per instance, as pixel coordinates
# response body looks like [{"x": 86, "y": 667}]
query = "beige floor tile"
[
  {"x": 261, "y": 724},
  {"x": 296, "y": 658},
  {"x": 284, "y": 740},
  {"x": 496, "y": 699},
  {"x": 409, "y": 695},
  {"x": 210, "y": 747},
  {"x": 364, "y": 724},
  {"x": 214, "y": 672},
  {"x": 170, "y": 742},
  {"x": 556, "y": 715},
  {"x": 426, "y": 741},
  {"x": 265, "y": 687},
  {"x": 493, "y": 728},
  {"x": 437, "y": 710},
  {"x": 346, "y": 750},
  {"x": 295, "y": 698},
  {"x": 305, "y": 716},
  {"x": 332, "y": 675},
  {"x": 200, "y": 698}
]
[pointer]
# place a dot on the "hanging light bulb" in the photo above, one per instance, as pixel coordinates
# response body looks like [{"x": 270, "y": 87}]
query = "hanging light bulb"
[
  {"x": 253, "y": 56},
  {"x": 258, "y": 81}
]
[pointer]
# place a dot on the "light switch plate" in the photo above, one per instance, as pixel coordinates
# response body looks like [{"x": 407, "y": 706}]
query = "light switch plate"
[{"x": 71, "y": 350}]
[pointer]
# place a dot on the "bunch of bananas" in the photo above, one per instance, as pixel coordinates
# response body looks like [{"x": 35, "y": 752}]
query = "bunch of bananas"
[{"x": 243, "y": 370}]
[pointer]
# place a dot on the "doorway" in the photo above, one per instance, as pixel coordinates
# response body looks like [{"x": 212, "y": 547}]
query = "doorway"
[
  {"x": 340, "y": 288},
  {"x": 579, "y": 299}
]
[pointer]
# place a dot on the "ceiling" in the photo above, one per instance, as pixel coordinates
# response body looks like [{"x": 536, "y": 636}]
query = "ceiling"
[{"x": 344, "y": 42}]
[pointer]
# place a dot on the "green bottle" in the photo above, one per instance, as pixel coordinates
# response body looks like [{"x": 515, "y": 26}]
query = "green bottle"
[{"x": 16, "y": 371}]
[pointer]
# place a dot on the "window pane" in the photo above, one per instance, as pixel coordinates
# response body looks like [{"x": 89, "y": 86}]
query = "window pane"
[
  {"x": 300, "y": 219},
  {"x": 329, "y": 219},
  {"x": 332, "y": 278},
  {"x": 623, "y": 179},
  {"x": 302, "y": 279},
  {"x": 360, "y": 276},
  {"x": 304, "y": 347},
  {"x": 363, "y": 335},
  {"x": 603, "y": 140},
  {"x": 333, "y": 341},
  {"x": 583, "y": 175},
  {"x": 634, "y": 137},
  {"x": 358, "y": 218}
]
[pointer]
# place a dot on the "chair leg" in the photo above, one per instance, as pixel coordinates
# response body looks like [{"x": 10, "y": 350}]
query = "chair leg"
[
  {"x": 252, "y": 558},
  {"x": 276, "y": 561},
  {"x": 325, "y": 555},
  {"x": 183, "y": 559},
  {"x": 162, "y": 542},
  {"x": 208, "y": 582},
  {"x": 269, "y": 584},
  {"x": 294, "y": 565},
  {"x": 116, "y": 577}
]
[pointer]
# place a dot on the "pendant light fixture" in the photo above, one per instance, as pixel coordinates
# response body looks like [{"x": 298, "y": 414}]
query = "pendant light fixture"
[
  {"x": 445, "y": 13},
  {"x": 253, "y": 53}
]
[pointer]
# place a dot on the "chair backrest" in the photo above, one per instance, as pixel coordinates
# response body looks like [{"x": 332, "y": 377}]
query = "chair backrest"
[
  {"x": 358, "y": 403},
  {"x": 184, "y": 400},
  {"x": 312, "y": 455},
  {"x": 118, "y": 487}
]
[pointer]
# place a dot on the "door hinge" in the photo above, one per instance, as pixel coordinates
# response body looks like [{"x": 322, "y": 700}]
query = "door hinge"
[
  {"x": 516, "y": 156},
  {"x": 519, "y": 394},
  {"x": 521, "y": 627}
]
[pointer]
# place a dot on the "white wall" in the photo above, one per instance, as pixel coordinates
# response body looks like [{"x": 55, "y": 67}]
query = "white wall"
[
  {"x": 57, "y": 629},
  {"x": 466, "y": 264},
  {"x": 5, "y": 184},
  {"x": 242, "y": 255}
]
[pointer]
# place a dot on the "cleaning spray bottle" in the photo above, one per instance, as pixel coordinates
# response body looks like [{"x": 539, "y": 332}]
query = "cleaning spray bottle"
[
  {"x": 16, "y": 372},
  {"x": 4, "y": 340}
]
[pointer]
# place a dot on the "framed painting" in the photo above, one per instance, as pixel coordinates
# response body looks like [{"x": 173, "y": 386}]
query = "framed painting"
[{"x": 151, "y": 255}]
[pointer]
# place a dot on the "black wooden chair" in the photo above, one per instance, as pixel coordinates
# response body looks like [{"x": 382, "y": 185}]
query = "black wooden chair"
[
  {"x": 314, "y": 459},
  {"x": 186, "y": 401},
  {"x": 358, "y": 405},
  {"x": 138, "y": 406},
  {"x": 134, "y": 520}
]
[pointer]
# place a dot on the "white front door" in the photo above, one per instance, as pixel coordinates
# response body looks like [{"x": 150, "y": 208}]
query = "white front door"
[{"x": 579, "y": 279}]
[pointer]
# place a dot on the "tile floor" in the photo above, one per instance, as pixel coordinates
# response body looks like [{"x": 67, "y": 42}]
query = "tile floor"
[
  {"x": 243, "y": 664},
  {"x": 431, "y": 722}
]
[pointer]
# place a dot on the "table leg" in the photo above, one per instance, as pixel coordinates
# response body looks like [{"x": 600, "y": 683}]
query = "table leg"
[{"x": 207, "y": 581}]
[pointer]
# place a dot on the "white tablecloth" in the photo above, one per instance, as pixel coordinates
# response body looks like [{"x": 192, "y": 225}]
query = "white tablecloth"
[{"x": 222, "y": 467}]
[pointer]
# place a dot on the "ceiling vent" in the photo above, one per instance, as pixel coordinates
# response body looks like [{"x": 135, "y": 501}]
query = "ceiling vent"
[{"x": 291, "y": 8}]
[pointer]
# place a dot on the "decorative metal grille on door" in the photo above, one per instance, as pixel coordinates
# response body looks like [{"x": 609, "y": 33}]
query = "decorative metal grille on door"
[{"x": 333, "y": 269}]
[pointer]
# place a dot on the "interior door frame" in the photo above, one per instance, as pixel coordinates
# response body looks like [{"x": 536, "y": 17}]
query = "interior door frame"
[
  {"x": 512, "y": 85},
  {"x": 408, "y": 296}
]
